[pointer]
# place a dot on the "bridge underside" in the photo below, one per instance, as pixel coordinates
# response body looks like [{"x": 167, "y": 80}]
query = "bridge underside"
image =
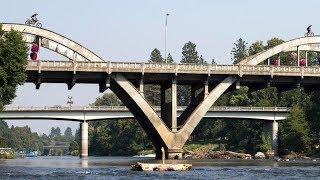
[{"x": 253, "y": 82}]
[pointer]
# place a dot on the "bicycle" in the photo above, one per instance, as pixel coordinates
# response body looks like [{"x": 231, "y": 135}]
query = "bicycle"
[
  {"x": 32, "y": 22},
  {"x": 308, "y": 34}
]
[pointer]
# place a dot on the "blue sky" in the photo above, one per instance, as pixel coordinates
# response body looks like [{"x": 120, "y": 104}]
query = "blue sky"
[{"x": 126, "y": 30}]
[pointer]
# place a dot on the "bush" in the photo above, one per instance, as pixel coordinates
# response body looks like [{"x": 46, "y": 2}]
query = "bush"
[{"x": 266, "y": 143}]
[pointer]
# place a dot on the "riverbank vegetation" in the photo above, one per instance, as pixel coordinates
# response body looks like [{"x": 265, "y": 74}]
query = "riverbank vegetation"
[{"x": 23, "y": 139}]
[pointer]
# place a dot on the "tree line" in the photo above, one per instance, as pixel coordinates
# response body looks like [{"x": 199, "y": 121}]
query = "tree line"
[{"x": 23, "y": 139}]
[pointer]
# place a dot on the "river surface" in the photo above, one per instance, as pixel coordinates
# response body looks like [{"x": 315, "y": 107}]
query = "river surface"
[{"x": 118, "y": 168}]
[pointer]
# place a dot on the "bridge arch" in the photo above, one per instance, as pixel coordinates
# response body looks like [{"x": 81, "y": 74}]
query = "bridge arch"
[
  {"x": 304, "y": 43},
  {"x": 195, "y": 117},
  {"x": 158, "y": 132},
  {"x": 54, "y": 42}
]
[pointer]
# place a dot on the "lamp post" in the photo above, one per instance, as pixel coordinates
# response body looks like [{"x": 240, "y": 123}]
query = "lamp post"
[{"x": 165, "y": 38}]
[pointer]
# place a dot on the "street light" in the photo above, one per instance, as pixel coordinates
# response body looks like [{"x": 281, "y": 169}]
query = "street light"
[{"x": 165, "y": 38}]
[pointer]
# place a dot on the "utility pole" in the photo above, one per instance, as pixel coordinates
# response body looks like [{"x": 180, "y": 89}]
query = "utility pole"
[{"x": 165, "y": 38}]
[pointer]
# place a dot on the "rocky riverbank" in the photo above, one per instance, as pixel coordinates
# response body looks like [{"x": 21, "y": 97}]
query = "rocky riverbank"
[
  {"x": 292, "y": 156},
  {"x": 6, "y": 153},
  {"x": 217, "y": 155}
]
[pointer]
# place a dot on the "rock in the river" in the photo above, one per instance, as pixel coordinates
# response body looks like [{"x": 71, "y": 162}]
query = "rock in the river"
[
  {"x": 160, "y": 167},
  {"x": 269, "y": 154},
  {"x": 259, "y": 155}
]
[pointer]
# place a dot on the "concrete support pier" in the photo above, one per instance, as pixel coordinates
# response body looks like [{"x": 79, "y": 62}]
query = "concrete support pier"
[
  {"x": 169, "y": 104},
  {"x": 84, "y": 140},
  {"x": 174, "y": 153},
  {"x": 169, "y": 153},
  {"x": 271, "y": 128},
  {"x": 174, "y": 104}
]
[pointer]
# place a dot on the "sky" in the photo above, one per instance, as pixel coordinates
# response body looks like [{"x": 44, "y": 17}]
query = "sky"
[{"x": 126, "y": 30}]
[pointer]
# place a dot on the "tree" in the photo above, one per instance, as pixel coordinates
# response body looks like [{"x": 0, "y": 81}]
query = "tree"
[
  {"x": 68, "y": 134},
  {"x": 152, "y": 92},
  {"x": 189, "y": 53},
  {"x": 170, "y": 59},
  {"x": 256, "y": 48},
  {"x": 108, "y": 99},
  {"x": 274, "y": 42},
  {"x": 294, "y": 132},
  {"x": 13, "y": 61},
  {"x": 239, "y": 52},
  {"x": 156, "y": 56},
  {"x": 55, "y": 133},
  {"x": 240, "y": 97}
]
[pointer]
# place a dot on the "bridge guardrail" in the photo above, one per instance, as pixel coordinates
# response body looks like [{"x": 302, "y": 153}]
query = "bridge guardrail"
[
  {"x": 174, "y": 68},
  {"x": 123, "y": 108}
]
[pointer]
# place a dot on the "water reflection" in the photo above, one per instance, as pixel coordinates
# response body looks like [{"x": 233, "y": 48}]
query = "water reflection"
[
  {"x": 84, "y": 162},
  {"x": 119, "y": 168}
]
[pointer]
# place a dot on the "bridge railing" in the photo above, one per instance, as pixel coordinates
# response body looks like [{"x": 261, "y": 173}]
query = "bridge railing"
[
  {"x": 174, "y": 68},
  {"x": 123, "y": 108}
]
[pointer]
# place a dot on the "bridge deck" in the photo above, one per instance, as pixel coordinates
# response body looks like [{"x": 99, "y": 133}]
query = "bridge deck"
[
  {"x": 97, "y": 72},
  {"x": 82, "y": 114}
]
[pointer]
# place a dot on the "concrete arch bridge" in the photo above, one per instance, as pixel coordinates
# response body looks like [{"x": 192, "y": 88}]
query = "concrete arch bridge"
[{"x": 127, "y": 80}]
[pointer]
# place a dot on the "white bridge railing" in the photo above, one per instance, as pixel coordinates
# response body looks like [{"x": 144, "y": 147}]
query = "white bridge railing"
[
  {"x": 110, "y": 67},
  {"x": 157, "y": 108}
]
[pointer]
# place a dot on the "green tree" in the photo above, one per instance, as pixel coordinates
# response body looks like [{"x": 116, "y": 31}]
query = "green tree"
[
  {"x": 295, "y": 97},
  {"x": 240, "y": 97},
  {"x": 108, "y": 99},
  {"x": 13, "y": 61},
  {"x": 274, "y": 42},
  {"x": 68, "y": 134},
  {"x": 266, "y": 144},
  {"x": 156, "y": 56},
  {"x": 256, "y": 48},
  {"x": 170, "y": 59},
  {"x": 55, "y": 133},
  {"x": 264, "y": 97},
  {"x": 294, "y": 132},
  {"x": 313, "y": 116},
  {"x": 239, "y": 51},
  {"x": 189, "y": 53}
]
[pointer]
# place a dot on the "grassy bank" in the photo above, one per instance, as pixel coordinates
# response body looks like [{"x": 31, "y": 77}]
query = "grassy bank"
[{"x": 200, "y": 147}]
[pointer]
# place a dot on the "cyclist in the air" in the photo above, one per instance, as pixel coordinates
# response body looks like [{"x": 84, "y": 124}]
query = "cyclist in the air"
[
  {"x": 309, "y": 29},
  {"x": 34, "y": 17}
]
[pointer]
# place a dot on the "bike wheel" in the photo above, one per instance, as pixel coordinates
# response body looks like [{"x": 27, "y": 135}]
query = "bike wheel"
[
  {"x": 28, "y": 22},
  {"x": 39, "y": 25}
]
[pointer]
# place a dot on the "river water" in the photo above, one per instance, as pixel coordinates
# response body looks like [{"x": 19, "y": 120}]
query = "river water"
[{"x": 118, "y": 168}]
